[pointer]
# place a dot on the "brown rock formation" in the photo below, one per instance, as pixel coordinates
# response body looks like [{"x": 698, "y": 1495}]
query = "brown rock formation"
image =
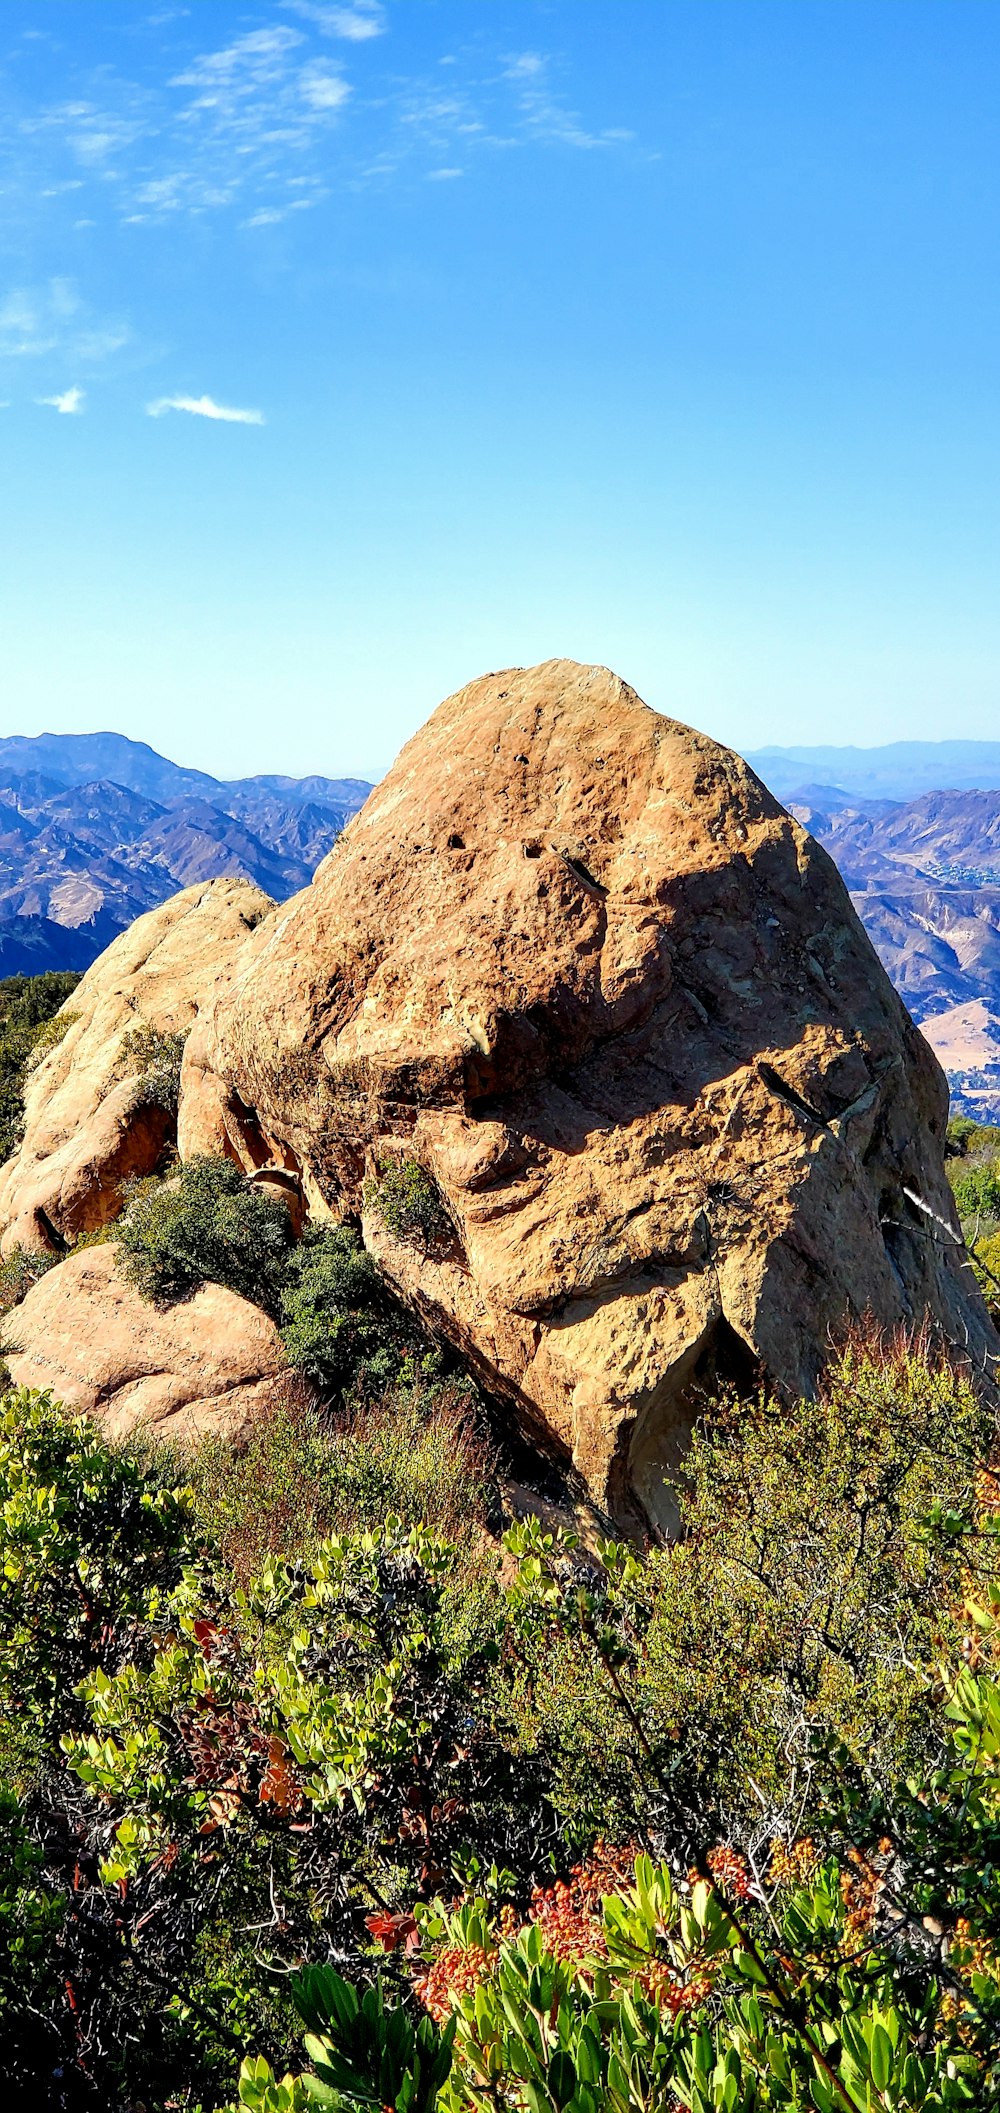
[
  {"x": 212, "y": 1364},
  {"x": 577, "y": 962},
  {"x": 87, "y": 1130}
]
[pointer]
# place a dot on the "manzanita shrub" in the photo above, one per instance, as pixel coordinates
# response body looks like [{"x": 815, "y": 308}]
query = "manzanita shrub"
[
  {"x": 292, "y": 1739},
  {"x": 844, "y": 1975}
]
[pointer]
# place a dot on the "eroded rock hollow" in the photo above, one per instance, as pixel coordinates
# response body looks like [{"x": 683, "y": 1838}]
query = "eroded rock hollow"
[{"x": 576, "y": 962}]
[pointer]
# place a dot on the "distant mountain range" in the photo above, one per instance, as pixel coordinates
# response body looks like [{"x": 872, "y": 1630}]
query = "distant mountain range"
[
  {"x": 902, "y": 770},
  {"x": 95, "y": 828},
  {"x": 915, "y": 829}
]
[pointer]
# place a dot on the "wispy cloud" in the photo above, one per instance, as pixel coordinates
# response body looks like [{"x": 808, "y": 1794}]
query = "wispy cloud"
[
  {"x": 69, "y": 404},
  {"x": 39, "y": 321},
  {"x": 249, "y": 62},
  {"x": 355, "y": 24},
  {"x": 33, "y": 319},
  {"x": 273, "y": 117},
  {"x": 204, "y": 407},
  {"x": 543, "y": 111},
  {"x": 323, "y": 90}
]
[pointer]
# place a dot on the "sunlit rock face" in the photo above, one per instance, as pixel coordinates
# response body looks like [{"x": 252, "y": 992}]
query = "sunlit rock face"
[
  {"x": 210, "y": 1366},
  {"x": 575, "y": 960},
  {"x": 87, "y": 1131}
]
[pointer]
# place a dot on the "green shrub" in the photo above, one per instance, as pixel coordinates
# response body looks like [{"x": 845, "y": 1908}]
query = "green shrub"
[
  {"x": 18, "y": 1272},
  {"x": 30, "y": 1024},
  {"x": 408, "y": 1201},
  {"x": 308, "y": 1708},
  {"x": 985, "y": 1256},
  {"x": 966, "y": 1139},
  {"x": 154, "y": 1061},
  {"x": 804, "y": 1982},
  {"x": 810, "y": 1584},
  {"x": 86, "y": 1533},
  {"x": 339, "y": 1319},
  {"x": 203, "y": 1781},
  {"x": 806, "y": 1606},
  {"x": 260, "y": 1770},
  {"x": 208, "y": 1224},
  {"x": 977, "y": 1190}
]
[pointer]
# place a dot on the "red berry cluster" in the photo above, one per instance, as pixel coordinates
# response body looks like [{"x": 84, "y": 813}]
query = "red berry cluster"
[
  {"x": 570, "y": 1930},
  {"x": 729, "y": 1872},
  {"x": 456, "y": 1972}
]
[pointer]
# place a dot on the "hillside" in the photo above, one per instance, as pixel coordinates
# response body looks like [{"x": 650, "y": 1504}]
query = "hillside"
[
  {"x": 924, "y": 876},
  {"x": 95, "y": 829}
]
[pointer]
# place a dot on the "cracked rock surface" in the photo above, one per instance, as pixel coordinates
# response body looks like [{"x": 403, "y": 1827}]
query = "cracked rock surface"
[{"x": 576, "y": 961}]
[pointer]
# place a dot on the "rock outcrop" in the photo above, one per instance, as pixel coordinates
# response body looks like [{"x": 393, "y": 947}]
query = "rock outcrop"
[
  {"x": 574, "y": 960},
  {"x": 88, "y": 1129},
  {"x": 208, "y": 1366}
]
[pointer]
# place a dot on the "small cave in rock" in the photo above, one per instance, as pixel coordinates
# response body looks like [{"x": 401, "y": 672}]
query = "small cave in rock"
[
  {"x": 650, "y": 1464},
  {"x": 249, "y": 1130},
  {"x": 900, "y": 1238}
]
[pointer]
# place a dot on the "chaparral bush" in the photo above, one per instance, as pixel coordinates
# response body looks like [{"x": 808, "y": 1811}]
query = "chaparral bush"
[
  {"x": 290, "y": 1738},
  {"x": 153, "y": 1061},
  {"x": 207, "y": 1223},
  {"x": 409, "y": 1203},
  {"x": 31, "y": 1022},
  {"x": 339, "y": 1319},
  {"x": 824, "y": 1551}
]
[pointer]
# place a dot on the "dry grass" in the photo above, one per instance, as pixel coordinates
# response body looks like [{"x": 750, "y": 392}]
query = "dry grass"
[{"x": 418, "y": 1454}]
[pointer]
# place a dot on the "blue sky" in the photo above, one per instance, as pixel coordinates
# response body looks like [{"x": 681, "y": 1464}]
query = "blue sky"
[{"x": 657, "y": 332}]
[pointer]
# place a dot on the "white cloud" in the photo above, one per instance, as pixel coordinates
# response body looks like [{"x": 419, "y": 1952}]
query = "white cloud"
[
  {"x": 321, "y": 89},
  {"x": 543, "y": 115},
  {"x": 204, "y": 407},
  {"x": 69, "y": 404},
  {"x": 250, "y": 62},
  {"x": 232, "y": 130},
  {"x": 355, "y": 24},
  {"x": 26, "y": 328},
  {"x": 97, "y": 345}
]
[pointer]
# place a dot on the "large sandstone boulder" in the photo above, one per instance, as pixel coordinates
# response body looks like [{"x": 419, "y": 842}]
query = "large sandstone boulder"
[
  {"x": 574, "y": 960},
  {"x": 210, "y": 1365},
  {"x": 88, "y": 1129}
]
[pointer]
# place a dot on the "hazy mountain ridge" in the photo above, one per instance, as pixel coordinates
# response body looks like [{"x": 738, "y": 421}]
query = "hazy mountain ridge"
[
  {"x": 95, "y": 829},
  {"x": 899, "y": 770}
]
